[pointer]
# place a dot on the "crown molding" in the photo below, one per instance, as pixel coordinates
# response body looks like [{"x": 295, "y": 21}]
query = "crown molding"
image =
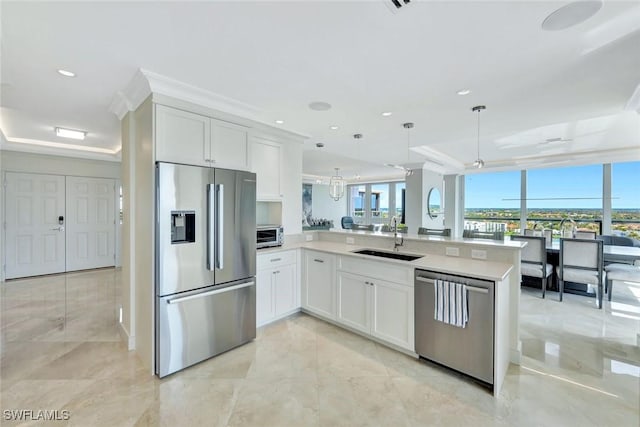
[
  {"x": 130, "y": 98},
  {"x": 57, "y": 149},
  {"x": 146, "y": 82}
]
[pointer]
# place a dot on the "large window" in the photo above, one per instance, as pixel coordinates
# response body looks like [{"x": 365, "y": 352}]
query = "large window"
[
  {"x": 570, "y": 193},
  {"x": 555, "y": 196},
  {"x": 492, "y": 202},
  {"x": 625, "y": 199},
  {"x": 376, "y": 203}
]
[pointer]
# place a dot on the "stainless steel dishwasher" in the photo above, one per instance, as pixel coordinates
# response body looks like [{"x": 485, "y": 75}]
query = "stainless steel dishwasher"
[{"x": 468, "y": 350}]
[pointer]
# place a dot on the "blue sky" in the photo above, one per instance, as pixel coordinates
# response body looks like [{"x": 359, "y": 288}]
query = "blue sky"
[{"x": 489, "y": 190}]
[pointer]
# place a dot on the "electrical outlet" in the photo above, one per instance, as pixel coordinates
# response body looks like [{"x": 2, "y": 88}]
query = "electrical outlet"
[
  {"x": 309, "y": 237},
  {"x": 351, "y": 241},
  {"x": 452, "y": 251},
  {"x": 478, "y": 254}
]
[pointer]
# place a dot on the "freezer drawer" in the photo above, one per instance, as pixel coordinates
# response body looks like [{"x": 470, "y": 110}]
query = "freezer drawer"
[
  {"x": 194, "y": 326},
  {"x": 468, "y": 350}
]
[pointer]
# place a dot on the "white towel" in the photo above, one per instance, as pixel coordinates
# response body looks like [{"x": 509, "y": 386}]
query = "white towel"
[{"x": 450, "y": 303}]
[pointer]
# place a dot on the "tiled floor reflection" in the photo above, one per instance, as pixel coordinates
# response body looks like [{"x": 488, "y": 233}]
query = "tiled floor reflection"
[{"x": 61, "y": 350}]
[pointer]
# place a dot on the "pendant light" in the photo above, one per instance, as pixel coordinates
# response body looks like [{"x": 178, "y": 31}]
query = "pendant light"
[
  {"x": 479, "y": 163},
  {"x": 336, "y": 186},
  {"x": 408, "y": 126},
  {"x": 357, "y": 137}
]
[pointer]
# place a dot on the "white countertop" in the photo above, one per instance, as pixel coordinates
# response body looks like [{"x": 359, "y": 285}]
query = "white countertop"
[
  {"x": 506, "y": 243},
  {"x": 488, "y": 270}
]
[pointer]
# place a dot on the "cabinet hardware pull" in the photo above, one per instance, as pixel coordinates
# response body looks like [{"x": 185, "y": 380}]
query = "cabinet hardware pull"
[
  {"x": 318, "y": 260},
  {"x": 276, "y": 259}
]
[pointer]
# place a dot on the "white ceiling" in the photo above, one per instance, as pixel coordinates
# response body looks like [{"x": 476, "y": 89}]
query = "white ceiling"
[{"x": 357, "y": 56}]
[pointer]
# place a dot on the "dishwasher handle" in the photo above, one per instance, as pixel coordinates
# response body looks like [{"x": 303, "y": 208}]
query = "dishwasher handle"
[{"x": 470, "y": 288}]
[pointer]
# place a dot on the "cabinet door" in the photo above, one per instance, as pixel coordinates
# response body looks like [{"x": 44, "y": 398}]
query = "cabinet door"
[
  {"x": 393, "y": 313},
  {"x": 354, "y": 306},
  {"x": 266, "y": 163},
  {"x": 319, "y": 283},
  {"x": 229, "y": 145},
  {"x": 264, "y": 296},
  {"x": 182, "y": 137},
  {"x": 284, "y": 289}
]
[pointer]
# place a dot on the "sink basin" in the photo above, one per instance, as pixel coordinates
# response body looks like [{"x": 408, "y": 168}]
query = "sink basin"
[{"x": 384, "y": 254}]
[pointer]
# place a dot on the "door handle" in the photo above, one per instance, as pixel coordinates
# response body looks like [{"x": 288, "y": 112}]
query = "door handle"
[
  {"x": 220, "y": 226},
  {"x": 209, "y": 293},
  {"x": 318, "y": 260},
  {"x": 61, "y": 228},
  {"x": 211, "y": 228},
  {"x": 476, "y": 289}
]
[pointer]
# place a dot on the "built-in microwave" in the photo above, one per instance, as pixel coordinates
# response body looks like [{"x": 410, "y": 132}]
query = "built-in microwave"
[{"x": 269, "y": 235}]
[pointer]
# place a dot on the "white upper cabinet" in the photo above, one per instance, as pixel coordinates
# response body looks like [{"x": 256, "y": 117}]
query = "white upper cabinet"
[
  {"x": 194, "y": 139},
  {"x": 229, "y": 145},
  {"x": 266, "y": 159},
  {"x": 182, "y": 137}
]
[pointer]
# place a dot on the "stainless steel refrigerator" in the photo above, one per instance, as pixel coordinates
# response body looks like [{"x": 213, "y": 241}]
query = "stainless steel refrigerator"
[{"x": 205, "y": 263}]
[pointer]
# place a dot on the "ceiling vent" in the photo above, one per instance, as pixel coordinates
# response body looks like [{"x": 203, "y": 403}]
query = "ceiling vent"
[{"x": 395, "y": 5}]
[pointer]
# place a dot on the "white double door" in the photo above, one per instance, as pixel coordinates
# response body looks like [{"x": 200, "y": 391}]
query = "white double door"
[{"x": 55, "y": 224}]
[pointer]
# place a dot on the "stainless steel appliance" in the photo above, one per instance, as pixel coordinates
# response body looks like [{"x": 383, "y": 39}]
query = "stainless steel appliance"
[
  {"x": 269, "y": 235},
  {"x": 468, "y": 350},
  {"x": 205, "y": 263}
]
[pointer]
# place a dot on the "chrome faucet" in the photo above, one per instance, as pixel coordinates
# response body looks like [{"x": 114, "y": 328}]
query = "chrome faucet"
[{"x": 393, "y": 225}]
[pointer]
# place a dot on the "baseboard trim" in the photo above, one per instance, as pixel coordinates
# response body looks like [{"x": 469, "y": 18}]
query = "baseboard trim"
[
  {"x": 515, "y": 355},
  {"x": 130, "y": 340}
]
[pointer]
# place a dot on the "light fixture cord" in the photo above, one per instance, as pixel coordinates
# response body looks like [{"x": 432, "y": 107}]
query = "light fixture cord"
[{"x": 478, "y": 145}]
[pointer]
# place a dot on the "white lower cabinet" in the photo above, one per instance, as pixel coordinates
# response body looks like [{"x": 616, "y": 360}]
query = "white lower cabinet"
[
  {"x": 354, "y": 301},
  {"x": 276, "y": 286},
  {"x": 376, "y": 307},
  {"x": 319, "y": 283}
]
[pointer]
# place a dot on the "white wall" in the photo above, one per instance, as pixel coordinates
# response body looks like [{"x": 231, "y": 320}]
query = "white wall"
[
  {"x": 16, "y": 161},
  {"x": 291, "y": 176},
  {"x": 323, "y": 206},
  {"x": 417, "y": 190}
]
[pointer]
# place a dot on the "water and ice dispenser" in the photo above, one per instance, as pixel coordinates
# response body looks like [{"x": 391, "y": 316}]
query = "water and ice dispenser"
[{"x": 183, "y": 227}]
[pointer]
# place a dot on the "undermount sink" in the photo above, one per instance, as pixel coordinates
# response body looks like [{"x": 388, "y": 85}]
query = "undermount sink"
[{"x": 384, "y": 254}]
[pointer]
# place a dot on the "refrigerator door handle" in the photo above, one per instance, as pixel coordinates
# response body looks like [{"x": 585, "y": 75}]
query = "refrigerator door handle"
[
  {"x": 220, "y": 226},
  {"x": 211, "y": 238},
  {"x": 209, "y": 293}
]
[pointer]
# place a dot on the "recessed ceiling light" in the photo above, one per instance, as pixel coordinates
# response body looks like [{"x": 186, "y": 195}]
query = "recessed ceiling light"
[
  {"x": 571, "y": 14},
  {"x": 67, "y": 73},
  {"x": 464, "y": 92},
  {"x": 387, "y": 113},
  {"x": 70, "y": 133},
  {"x": 320, "y": 106},
  {"x": 334, "y": 128},
  {"x": 280, "y": 122}
]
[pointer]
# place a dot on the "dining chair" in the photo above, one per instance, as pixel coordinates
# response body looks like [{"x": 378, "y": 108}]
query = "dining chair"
[
  {"x": 489, "y": 235},
  {"x": 533, "y": 259},
  {"x": 346, "y": 222},
  {"x": 446, "y": 232},
  {"x": 546, "y": 232},
  {"x": 583, "y": 234},
  {"x": 581, "y": 261},
  {"x": 623, "y": 273}
]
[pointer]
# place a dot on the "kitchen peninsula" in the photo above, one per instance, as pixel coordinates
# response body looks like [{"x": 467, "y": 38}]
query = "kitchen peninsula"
[{"x": 374, "y": 296}]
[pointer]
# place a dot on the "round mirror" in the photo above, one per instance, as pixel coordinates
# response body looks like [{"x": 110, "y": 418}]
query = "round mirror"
[{"x": 434, "y": 203}]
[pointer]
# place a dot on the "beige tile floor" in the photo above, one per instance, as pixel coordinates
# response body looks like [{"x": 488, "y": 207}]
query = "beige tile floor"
[{"x": 60, "y": 350}]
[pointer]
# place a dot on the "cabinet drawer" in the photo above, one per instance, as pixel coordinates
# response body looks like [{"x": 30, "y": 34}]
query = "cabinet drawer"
[
  {"x": 377, "y": 269},
  {"x": 275, "y": 259}
]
